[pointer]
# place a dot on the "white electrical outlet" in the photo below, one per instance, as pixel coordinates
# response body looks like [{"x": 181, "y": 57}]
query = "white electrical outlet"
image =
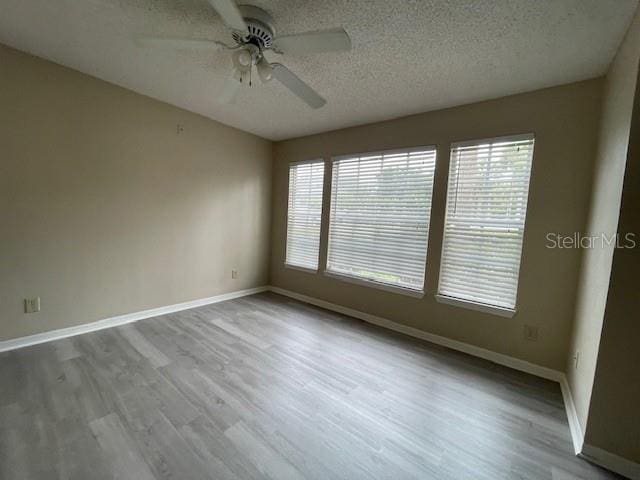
[
  {"x": 234, "y": 274},
  {"x": 31, "y": 305}
]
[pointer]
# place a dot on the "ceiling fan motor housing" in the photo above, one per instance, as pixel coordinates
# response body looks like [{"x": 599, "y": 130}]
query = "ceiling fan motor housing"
[{"x": 261, "y": 31}]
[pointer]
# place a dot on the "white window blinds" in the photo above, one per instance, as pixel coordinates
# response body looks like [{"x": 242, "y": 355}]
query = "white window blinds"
[
  {"x": 485, "y": 216},
  {"x": 380, "y": 212},
  {"x": 304, "y": 214}
]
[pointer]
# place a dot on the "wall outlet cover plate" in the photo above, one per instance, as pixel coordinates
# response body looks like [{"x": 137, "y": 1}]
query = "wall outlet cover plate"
[{"x": 32, "y": 305}]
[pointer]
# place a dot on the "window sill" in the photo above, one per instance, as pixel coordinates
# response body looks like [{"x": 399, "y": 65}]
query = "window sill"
[
  {"x": 480, "y": 307},
  {"x": 301, "y": 269},
  {"x": 373, "y": 284}
]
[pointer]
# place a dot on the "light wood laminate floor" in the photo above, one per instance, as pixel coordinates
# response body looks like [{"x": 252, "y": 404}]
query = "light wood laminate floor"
[{"x": 267, "y": 387}]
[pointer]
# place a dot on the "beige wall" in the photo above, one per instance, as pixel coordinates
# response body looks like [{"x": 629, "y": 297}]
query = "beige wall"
[
  {"x": 564, "y": 120},
  {"x": 106, "y": 210},
  {"x": 609, "y": 169},
  {"x": 614, "y": 413}
]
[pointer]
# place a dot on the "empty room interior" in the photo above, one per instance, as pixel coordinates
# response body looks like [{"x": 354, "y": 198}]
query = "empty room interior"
[{"x": 313, "y": 239}]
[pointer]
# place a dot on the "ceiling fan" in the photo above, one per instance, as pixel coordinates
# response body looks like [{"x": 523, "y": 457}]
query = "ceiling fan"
[{"x": 253, "y": 34}]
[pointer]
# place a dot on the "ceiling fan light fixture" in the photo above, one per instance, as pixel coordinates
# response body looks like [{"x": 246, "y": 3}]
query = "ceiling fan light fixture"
[
  {"x": 265, "y": 70},
  {"x": 242, "y": 59}
]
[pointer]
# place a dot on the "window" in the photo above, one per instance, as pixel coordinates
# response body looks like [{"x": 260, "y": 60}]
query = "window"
[
  {"x": 380, "y": 211},
  {"x": 484, "y": 225},
  {"x": 304, "y": 214}
]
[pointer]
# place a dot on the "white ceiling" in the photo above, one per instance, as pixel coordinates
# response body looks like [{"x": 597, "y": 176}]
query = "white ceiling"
[{"x": 408, "y": 56}]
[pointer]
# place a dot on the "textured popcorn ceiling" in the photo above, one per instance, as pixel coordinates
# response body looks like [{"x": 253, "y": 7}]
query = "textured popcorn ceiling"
[{"x": 408, "y": 57}]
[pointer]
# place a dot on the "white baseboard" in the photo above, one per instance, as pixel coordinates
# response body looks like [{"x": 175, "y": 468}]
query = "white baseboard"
[
  {"x": 577, "y": 437},
  {"x": 494, "y": 357},
  {"x": 611, "y": 461},
  {"x": 21, "y": 342}
]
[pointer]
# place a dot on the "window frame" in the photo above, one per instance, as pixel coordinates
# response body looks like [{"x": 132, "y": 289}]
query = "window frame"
[
  {"x": 290, "y": 165},
  {"x": 368, "y": 282},
  {"x": 467, "y": 303}
]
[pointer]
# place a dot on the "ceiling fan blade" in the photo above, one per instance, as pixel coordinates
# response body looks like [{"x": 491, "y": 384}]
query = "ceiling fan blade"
[
  {"x": 230, "y": 14},
  {"x": 297, "y": 86},
  {"x": 230, "y": 89},
  {"x": 174, "y": 42},
  {"x": 334, "y": 40}
]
